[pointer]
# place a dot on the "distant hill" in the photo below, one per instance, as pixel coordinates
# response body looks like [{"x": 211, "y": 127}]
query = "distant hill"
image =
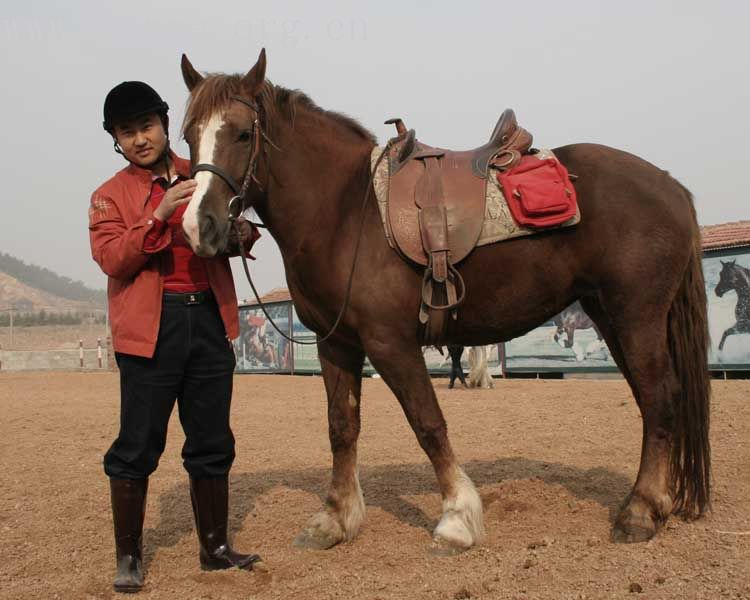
[{"x": 31, "y": 288}]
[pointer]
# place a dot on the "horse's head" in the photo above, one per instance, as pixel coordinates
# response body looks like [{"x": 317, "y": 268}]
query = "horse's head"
[
  {"x": 223, "y": 130},
  {"x": 726, "y": 278}
]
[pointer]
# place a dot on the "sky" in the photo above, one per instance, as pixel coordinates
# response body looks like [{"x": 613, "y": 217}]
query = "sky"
[{"x": 666, "y": 80}]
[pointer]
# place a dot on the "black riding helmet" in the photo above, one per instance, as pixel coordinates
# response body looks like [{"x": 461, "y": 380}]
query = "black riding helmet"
[{"x": 132, "y": 99}]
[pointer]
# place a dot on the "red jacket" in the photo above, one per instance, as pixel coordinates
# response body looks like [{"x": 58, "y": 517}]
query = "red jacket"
[{"x": 120, "y": 217}]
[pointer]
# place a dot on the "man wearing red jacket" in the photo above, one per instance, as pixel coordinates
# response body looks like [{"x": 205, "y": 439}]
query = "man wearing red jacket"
[{"x": 173, "y": 316}]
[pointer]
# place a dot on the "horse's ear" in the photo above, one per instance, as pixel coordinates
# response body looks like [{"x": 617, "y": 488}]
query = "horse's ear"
[
  {"x": 189, "y": 74},
  {"x": 254, "y": 79}
]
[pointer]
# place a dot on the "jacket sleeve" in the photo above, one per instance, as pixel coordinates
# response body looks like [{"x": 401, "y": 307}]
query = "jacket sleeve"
[
  {"x": 117, "y": 248},
  {"x": 153, "y": 241}
]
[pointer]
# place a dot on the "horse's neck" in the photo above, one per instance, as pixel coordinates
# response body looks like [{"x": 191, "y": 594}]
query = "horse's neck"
[
  {"x": 316, "y": 184},
  {"x": 742, "y": 280}
]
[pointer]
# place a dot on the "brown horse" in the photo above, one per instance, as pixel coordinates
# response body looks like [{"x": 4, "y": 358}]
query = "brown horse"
[{"x": 634, "y": 261}]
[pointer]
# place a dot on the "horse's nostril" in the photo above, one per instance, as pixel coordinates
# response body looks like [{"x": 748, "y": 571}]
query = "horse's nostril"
[
  {"x": 208, "y": 223},
  {"x": 211, "y": 234}
]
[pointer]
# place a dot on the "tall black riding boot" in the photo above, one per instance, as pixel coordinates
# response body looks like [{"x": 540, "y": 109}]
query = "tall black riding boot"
[
  {"x": 128, "y": 510},
  {"x": 210, "y": 505}
]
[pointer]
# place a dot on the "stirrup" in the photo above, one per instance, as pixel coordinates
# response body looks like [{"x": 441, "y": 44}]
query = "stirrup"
[{"x": 448, "y": 305}]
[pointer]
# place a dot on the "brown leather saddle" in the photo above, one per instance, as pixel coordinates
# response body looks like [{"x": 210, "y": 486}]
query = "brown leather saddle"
[{"x": 436, "y": 205}]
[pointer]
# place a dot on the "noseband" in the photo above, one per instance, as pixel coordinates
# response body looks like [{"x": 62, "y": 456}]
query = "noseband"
[{"x": 236, "y": 203}]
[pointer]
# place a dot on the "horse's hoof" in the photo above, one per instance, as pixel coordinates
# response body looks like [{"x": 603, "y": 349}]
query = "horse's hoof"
[
  {"x": 442, "y": 547},
  {"x": 630, "y": 528},
  {"x": 322, "y": 532},
  {"x": 313, "y": 538},
  {"x": 452, "y": 532}
]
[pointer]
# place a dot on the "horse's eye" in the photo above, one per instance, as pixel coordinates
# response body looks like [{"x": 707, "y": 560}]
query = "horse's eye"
[{"x": 244, "y": 137}]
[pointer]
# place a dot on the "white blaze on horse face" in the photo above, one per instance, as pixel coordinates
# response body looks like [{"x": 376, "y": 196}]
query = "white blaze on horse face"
[{"x": 206, "y": 149}]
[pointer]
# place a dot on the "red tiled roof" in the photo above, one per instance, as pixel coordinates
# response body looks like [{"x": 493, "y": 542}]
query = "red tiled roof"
[
  {"x": 275, "y": 295},
  {"x": 726, "y": 235}
]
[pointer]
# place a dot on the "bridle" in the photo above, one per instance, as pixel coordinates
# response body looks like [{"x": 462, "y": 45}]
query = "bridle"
[
  {"x": 237, "y": 206},
  {"x": 237, "y": 202}
]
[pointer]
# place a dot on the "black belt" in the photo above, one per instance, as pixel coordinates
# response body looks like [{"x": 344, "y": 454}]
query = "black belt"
[{"x": 188, "y": 298}]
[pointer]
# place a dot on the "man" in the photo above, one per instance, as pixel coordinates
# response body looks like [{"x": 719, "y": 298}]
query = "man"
[
  {"x": 457, "y": 370},
  {"x": 173, "y": 315}
]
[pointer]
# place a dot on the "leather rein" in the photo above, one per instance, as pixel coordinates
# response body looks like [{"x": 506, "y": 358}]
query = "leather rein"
[{"x": 237, "y": 205}]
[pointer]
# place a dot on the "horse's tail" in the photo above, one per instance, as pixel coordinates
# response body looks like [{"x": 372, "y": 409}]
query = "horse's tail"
[{"x": 688, "y": 346}]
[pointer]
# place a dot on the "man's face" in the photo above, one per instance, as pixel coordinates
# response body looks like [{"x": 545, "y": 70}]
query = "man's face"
[{"x": 142, "y": 140}]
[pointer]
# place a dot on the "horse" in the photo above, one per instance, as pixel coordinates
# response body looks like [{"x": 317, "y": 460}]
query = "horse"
[
  {"x": 567, "y": 321},
  {"x": 634, "y": 261},
  {"x": 735, "y": 277},
  {"x": 479, "y": 375}
]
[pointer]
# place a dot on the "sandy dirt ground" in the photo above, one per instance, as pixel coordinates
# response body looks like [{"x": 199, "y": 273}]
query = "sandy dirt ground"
[{"x": 552, "y": 461}]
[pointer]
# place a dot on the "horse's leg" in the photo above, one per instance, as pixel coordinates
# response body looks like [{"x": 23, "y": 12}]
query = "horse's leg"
[
  {"x": 461, "y": 525},
  {"x": 639, "y": 345},
  {"x": 593, "y": 345},
  {"x": 731, "y": 331},
  {"x": 460, "y": 373},
  {"x": 345, "y": 507},
  {"x": 604, "y": 330},
  {"x": 573, "y": 345}
]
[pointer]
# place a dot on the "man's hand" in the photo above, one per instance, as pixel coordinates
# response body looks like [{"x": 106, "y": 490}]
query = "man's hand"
[
  {"x": 175, "y": 196},
  {"x": 247, "y": 233}
]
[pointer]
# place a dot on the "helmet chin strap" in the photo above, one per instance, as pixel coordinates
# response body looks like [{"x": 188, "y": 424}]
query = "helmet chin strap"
[{"x": 164, "y": 156}]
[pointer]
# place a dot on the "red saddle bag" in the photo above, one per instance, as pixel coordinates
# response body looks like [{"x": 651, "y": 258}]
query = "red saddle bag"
[{"x": 539, "y": 192}]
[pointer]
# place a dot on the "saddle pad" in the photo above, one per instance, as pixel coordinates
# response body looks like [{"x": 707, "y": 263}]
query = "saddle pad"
[
  {"x": 498, "y": 225},
  {"x": 539, "y": 192}
]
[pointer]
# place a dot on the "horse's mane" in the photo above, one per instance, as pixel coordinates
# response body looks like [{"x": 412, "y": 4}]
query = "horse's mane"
[
  {"x": 215, "y": 91},
  {"x": 744, "y": 272},
  {"x": 212, "y": 94}
]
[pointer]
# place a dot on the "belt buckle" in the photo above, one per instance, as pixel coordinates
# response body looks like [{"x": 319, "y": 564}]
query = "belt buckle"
[{"x": 191, "y": 299}]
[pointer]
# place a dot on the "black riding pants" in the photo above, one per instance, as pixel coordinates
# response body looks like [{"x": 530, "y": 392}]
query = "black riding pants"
[
  {"x": 193, "y": 364},
  {"x": 456, "y": 369}
]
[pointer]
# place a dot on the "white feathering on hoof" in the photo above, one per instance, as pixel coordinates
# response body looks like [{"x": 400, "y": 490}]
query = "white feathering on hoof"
[
  {"x": 330, "y": 527},
  {"x": 462, "y": 523},
  {"x": 352, "y": 510}
]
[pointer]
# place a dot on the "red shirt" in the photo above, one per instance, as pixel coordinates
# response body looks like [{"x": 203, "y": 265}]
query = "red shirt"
[{"x": 182, "y": 269}]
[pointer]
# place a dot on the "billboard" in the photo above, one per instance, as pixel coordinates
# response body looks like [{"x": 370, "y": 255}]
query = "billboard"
[
  {"x": 568, "y": 342},
  {"x": 571, "y": 341},
  {"x": 305, "y": 355},
  {"x": 727, "y": 276},
  {"x": 260, "y": 348}
]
